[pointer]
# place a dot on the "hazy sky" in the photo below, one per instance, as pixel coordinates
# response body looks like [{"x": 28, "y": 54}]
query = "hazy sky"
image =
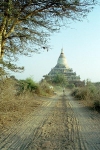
[{"x": 81, "y": 45}]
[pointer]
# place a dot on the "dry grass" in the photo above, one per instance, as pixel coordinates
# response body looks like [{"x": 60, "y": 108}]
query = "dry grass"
[
  {"x": 89, "y": 96},
  {"x": 14, "y": 109}
]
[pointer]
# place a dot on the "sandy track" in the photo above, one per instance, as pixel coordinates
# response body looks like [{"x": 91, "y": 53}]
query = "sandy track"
[
  {"x": 89, "y": 124},
  {"x": 60, "y": 124}
]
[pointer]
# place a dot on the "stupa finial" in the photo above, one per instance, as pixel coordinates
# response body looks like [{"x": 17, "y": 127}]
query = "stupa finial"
[{"x": 62, "y": 50}]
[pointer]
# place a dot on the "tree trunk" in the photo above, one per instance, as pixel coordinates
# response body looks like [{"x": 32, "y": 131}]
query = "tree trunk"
[
  {"x": 2, "y": 44},
  {"x": 1, "y": 48},
  {"x": 2, "y": 33}
]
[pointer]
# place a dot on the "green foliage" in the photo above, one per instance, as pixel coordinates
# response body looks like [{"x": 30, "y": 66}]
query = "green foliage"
[
  {"x": 59, "y": 79},
  {"x": 31, "y": 85},
  {"x": 70, "y": 86},
  {"x": 27, "y": 85}
]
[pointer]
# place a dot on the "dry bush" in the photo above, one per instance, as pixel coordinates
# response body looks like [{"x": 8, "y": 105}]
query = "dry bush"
[
  {"x": 7, "y": 89},
  {"x": 80, "y": 93},
  {"x": 44, "y": 89},
  {"x": 90, "y": 94},
  {"x": 14, "y": 108},
  {"x": 18, "y": 99}
]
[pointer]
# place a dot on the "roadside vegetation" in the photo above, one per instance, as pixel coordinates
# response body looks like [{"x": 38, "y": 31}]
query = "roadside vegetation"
[
  {"x": 89, "y": 94},
  {"x": 18, "y": 98}
]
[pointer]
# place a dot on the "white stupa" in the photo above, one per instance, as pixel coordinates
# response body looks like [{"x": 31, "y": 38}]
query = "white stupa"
[
  {"x": 62, "y": 60},
  {"x": 63, "y": 68}
]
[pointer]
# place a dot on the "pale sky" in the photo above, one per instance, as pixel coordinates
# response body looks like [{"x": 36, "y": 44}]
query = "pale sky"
[{"x": 81, "y": 45}]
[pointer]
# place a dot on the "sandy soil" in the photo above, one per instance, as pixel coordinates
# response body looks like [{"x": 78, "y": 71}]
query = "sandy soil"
[{"x": 61, "y": 123}]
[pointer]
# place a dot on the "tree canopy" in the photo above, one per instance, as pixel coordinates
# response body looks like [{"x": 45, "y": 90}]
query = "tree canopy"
[
  {"x": 59, "y": 79},
  {"x": 31, "y": 21}
]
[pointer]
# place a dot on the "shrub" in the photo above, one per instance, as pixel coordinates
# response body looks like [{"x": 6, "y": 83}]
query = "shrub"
[
  {"x": 90, "y": 93},
  {"x": 80, "y": 93},
  {"x": 45, "y": 87},
  {"x": 71, "y": 86},
  {"x": 97, "y": 105},
  {"x": 74, "y": 92},
  {"x": 28, "y": 85}
]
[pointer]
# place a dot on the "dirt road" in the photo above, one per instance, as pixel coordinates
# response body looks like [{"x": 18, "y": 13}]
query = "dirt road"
[{"x": 61, "y": 123}]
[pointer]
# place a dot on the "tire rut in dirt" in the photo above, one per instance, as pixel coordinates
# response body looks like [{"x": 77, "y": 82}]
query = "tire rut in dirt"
[
  {"x": 22, "y": 135},
  {"x": 60, "y": 131}
]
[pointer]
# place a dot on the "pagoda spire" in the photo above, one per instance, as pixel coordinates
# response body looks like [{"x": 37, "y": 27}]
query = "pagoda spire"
[{"x": 62, "y": 50}]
